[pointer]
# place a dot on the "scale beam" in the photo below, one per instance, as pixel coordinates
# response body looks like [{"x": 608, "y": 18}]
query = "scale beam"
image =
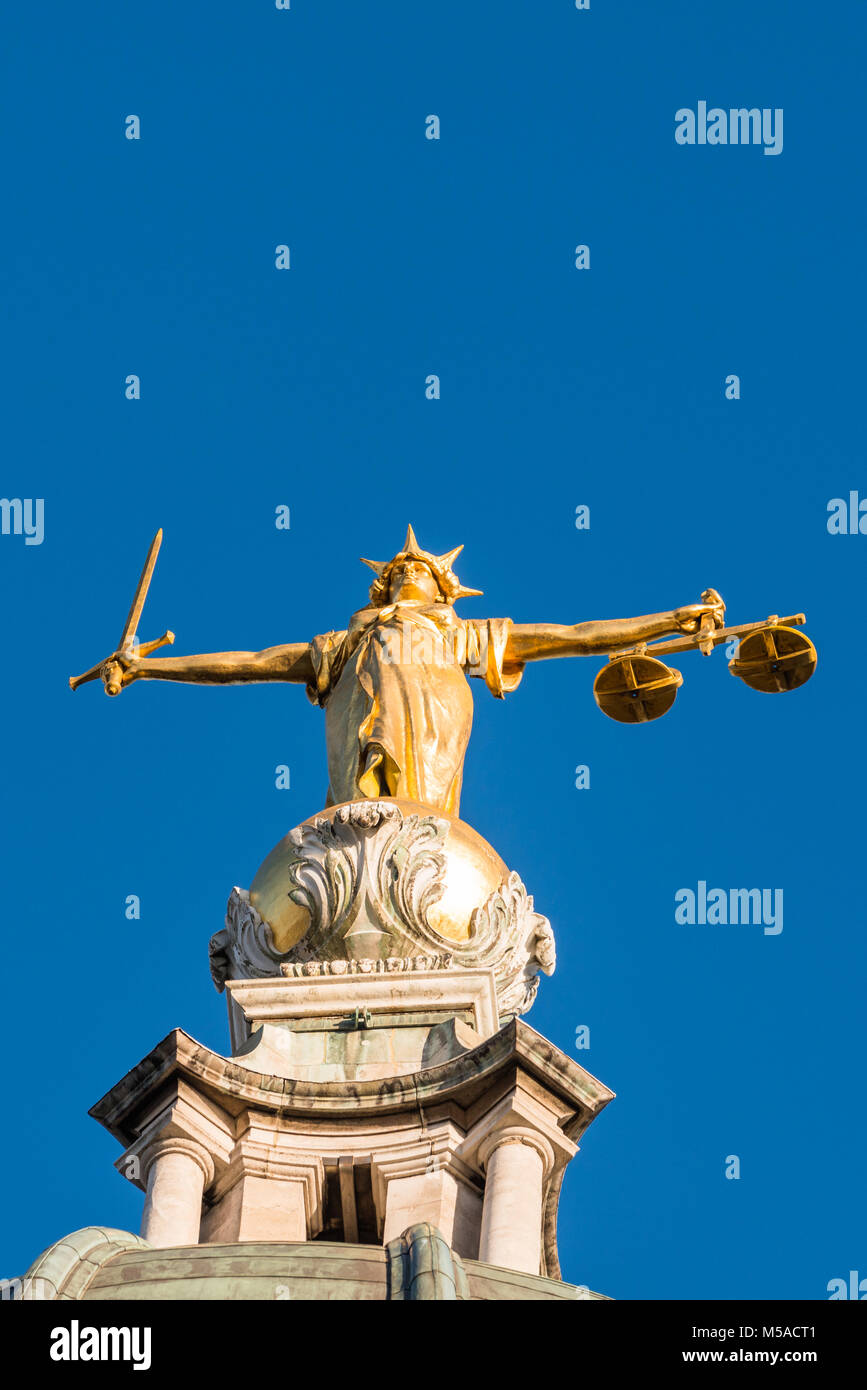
[{"x": 700, "y": 640}]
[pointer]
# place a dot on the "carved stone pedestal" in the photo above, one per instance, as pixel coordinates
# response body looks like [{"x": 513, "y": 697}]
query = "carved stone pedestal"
[{"x": 361, "y": 1024}]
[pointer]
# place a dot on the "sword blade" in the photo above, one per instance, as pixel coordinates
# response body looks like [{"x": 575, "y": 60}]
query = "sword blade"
[{"x": 141, "y": 593}]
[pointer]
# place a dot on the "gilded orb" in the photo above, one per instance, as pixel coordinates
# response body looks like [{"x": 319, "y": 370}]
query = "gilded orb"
[{"x": 473, "y": 871}]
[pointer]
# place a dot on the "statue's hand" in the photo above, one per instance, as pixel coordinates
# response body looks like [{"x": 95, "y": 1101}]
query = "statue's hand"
[
  {"x": 689, "y": 618},
  {"x": 119, "y": 670}
]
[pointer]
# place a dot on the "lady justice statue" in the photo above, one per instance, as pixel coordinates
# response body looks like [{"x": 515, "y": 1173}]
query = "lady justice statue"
[
  {"x": 387, "y": 872},
  {"x": 398, "y": 709}
]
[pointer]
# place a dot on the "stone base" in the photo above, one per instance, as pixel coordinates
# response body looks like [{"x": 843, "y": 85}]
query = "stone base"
[{"x": 361, "y": 1024}]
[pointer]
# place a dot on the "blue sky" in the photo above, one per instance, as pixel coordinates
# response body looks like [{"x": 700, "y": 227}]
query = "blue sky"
[{"x": 558, "y": 387}]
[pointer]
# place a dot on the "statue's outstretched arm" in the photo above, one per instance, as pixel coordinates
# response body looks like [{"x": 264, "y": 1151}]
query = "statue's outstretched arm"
[
  {"x": 536, "y": 641},
  {"x": 290, "y": 662}
]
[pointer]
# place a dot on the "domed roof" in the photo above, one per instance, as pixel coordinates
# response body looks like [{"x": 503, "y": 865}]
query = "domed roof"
[{"x": 105, "y": 1265}]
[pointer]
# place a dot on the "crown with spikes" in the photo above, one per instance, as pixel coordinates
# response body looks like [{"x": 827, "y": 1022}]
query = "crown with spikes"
[{"x": 440, "y": 567}]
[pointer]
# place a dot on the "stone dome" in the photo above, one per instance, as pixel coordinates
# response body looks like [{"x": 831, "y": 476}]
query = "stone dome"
[{"x": 98, "y": 1264}]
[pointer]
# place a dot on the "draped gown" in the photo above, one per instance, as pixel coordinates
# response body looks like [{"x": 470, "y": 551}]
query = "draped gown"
[{"x": 398, "y": 709}]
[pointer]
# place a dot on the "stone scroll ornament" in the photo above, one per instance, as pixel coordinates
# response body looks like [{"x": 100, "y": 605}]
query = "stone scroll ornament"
[{"x": 369, "y": 877}]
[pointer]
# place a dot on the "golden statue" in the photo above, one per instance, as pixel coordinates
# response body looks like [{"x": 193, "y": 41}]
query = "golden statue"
[{"x": 393, "y": 684}]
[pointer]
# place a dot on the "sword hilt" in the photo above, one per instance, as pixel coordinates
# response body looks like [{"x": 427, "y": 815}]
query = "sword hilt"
[
  {"x": 112, "y": 672},
  {"x": 145, "y": 648},
  {"x": 112, "y": 677}
]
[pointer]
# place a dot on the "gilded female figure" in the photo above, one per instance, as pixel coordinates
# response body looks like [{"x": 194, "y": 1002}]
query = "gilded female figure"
[{"x": 393, "y": 683}]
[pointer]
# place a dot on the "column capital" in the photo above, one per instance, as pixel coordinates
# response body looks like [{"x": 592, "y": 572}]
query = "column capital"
[
  {"x": 185, "y": 1118},
  {"x": 176, "y": 1144},
  {"x": 516, "y": 1134}
]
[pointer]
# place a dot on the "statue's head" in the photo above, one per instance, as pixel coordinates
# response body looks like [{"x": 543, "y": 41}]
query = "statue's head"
[{"x": 416, "y": 574}]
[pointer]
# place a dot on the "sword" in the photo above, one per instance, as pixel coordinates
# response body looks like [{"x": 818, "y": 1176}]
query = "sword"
[{"x": 112, "y": 671}]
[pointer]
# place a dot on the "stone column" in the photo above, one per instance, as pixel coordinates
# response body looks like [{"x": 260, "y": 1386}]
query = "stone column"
[
  {"x": 176, "y": 1172},
  {"x": 517, "y": 1162}
]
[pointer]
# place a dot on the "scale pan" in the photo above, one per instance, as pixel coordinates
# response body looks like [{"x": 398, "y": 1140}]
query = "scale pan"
[
  {"x": 635, "y": 689},
  {"x": 774, "y": 659}
]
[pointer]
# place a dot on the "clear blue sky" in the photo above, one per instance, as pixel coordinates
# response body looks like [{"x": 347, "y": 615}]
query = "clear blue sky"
[{"x": 559, "y": 387}]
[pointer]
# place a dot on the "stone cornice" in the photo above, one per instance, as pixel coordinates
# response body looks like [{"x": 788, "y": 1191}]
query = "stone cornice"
[{"x": 516, "y": 1047}]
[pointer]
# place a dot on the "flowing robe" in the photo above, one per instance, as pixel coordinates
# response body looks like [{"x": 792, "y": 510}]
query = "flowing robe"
[{"x": 398, "y": 710}]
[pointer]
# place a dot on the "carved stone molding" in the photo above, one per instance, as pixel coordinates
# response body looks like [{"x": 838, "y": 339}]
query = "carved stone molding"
[
  {"x": 515, "y": 941},
  {"x": 244, "y": 949},
  {"x": 392, "y": 965},
  {"x": 368, "y": 877}
]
